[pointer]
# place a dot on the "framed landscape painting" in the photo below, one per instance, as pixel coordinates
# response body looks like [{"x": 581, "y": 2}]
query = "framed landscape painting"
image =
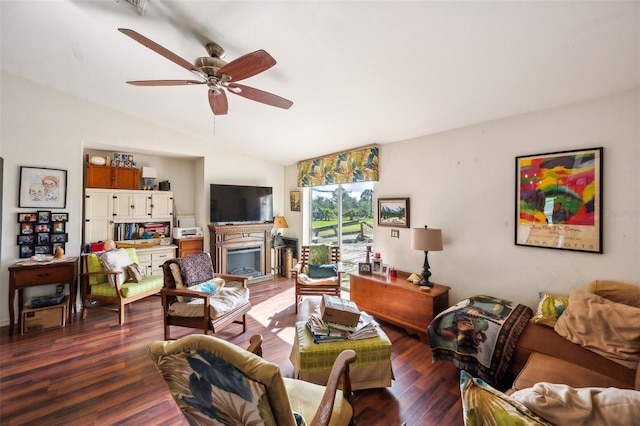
[
  {"x": 559, "y": 200},
  {"x": 393, "y": 212}
]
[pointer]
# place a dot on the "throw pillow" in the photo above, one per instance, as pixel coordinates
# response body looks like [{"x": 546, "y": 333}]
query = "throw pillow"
[
  {"x": 616, "y": 291},
  {"x": 549, "y": 309},
  {"x": 136, "y": 272},
  {"x": 319, "y": 255},
  {"x": 482, "y": 404},
  {"x": 177, "y": 277},
  {"x": 323, "y": 271},
  {"x": 607, "y": 328},
  {"x": 117, "y": 261},
  {"x": 561, "y": 404}
]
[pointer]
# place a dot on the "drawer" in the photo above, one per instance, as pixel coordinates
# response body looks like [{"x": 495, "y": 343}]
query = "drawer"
[
  {"x": 49, "y": 275},
  {"x": 161, "y": 257},
  {"x": 142, "y": 258}
]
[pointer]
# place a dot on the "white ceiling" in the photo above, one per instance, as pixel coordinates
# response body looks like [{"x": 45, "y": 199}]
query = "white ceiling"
[{"x": 358, "y": 72}]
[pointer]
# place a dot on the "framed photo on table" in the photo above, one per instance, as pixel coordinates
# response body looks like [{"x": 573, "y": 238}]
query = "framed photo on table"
[
  {"x": 364, "y": 268},
  {"x": 559, "y": 200}
]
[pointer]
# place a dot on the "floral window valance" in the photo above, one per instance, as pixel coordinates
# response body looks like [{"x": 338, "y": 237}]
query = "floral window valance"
[{"x": 360, "y": 165}]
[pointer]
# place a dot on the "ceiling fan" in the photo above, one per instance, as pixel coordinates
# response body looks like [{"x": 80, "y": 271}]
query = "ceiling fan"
[{"x": 217, "y": 74}]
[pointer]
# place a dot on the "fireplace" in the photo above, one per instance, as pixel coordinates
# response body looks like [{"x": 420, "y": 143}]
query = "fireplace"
[
  {"x": 245, "y": 261},
  {"x": 242, "y": 249}
]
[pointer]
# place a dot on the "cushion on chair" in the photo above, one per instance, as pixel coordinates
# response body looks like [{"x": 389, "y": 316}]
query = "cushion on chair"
[
  {"x": 117, "y": 261},
  {"x": 234, "y": 373},
  {"x": 319, "y": 255},
  {"x": 224, "y": 300},
  {"x": 130, "y": 288},
  {"x": 195, "y": 269},
  {"x": 136, "y": 272},
  {"x": 95, "y": 265},
  {"x": 304, "y": 398},
  {"x": 323, "y": 271}
]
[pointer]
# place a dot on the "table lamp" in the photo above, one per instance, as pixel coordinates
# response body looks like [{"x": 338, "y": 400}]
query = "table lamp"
[
  {"x": 148, "y": 175},
  {"x": 279, "y": 222},
  {"x": 426, "y": 239}
]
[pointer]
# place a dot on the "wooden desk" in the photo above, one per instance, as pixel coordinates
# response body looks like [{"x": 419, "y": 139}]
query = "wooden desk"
[
  {"x": 27, "y": 274},
  {"x": 399, "y": 301}
]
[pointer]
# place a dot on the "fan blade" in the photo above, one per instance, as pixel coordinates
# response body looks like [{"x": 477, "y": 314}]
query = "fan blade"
[
  {"x": 160, "y": 50},
  {"x": 259, "y": 96},
  {"x": 218, "y": 102},
  {"x": 165, "y": 82},
  {"x": 248, "y": 65}
]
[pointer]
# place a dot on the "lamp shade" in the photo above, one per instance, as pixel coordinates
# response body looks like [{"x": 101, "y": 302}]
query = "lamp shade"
[
  {"x": 426, "y": 239},
  {"x": 280, "y": 222},
  {"x": 149, "y": 172}
]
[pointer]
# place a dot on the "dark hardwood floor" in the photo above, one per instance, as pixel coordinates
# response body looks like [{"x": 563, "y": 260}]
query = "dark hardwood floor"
[{"x": 95, "y": 372}]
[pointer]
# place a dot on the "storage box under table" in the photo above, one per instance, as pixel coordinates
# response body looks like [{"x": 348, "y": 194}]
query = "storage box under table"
[
  {"x": 38, "y": 319},
  {"x": 312, "y": 362}
]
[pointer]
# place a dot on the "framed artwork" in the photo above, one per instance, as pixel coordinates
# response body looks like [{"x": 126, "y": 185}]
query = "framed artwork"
[
  {"x": 42, "y": 232},
  {"x": 26, "y": 240},
  {"x": 27, "y": 217},
  {"x": 559, "y": 200},
  {"x": 59, "y": 217},
  {"x": 26, "y": 251},
  {"x": 44, "y": 217},
  {"x": 294, "y": 199},
  {"x": 58, "y": 227},
  {"x": 364, "y": 268},
  {"x": 393, "y": 212},
  {"x": 42, "y": 187},
  {"x": 27, "y": 228}
]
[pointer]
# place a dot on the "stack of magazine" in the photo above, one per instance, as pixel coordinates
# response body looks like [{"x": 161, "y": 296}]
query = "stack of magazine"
[{"x": 323, "y": 331}]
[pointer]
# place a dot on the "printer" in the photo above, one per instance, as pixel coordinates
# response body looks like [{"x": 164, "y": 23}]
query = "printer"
[{"x": 190, "y": 232}]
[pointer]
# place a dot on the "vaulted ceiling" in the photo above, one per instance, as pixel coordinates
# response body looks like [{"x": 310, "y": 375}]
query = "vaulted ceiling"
[{"x": 358, "y": 72}]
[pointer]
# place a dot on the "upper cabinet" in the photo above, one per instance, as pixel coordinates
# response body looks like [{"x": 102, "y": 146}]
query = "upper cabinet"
[
  {"x": 104, "y": 208},
  {"x": 112, "y": 177}
]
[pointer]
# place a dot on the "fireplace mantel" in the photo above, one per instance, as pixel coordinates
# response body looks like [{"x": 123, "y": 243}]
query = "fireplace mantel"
[{"x": 225, "y": 237}]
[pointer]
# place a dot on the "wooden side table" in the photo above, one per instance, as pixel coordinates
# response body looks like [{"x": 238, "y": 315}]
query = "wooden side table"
[
  {"x": 189, "y": 246},
  {"x": 29, "y": 274},
  {"x": 399, "y": 301}
]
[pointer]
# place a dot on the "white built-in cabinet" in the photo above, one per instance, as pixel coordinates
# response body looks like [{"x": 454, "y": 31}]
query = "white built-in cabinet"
[{"x": 104, "y": 208}]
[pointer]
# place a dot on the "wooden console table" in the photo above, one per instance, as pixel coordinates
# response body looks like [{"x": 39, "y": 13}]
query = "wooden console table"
[
  {"x": 28, "y": 274},
  {"x": 399, "y": 301}
]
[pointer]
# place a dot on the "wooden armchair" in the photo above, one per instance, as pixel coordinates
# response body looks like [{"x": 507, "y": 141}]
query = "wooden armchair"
[
  {"x": 114, "y": 287},
  {"x": 187, "y": 300},
  {"x": 216, "y": 382},
  {"x": 324, "y": 274}
]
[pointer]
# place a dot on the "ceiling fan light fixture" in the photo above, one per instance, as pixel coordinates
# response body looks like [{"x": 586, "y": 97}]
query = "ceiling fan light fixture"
[{"x": 136, "y": 5}]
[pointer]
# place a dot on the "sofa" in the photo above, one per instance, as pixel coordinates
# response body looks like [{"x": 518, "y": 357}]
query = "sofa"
[
  {"x": 575, "y": 363},
  {"x": 559, "y": 360}
]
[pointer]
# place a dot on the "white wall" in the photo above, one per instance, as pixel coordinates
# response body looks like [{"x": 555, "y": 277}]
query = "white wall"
[
  {"x": 463, "y": 181},
  {"x": 45, "y": 128}
]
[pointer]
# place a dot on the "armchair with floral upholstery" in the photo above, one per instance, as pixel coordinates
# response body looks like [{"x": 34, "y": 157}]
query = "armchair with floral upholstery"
[{"x": 216, "y": 382}]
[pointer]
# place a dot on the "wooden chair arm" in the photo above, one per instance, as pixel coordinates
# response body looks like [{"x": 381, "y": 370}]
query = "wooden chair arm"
[
  {"x": 340, "y": 368},
  {"x": 185, "y": 292},
  {"x": 255, "y": 344},
  {"x": 84, "y": 276}
]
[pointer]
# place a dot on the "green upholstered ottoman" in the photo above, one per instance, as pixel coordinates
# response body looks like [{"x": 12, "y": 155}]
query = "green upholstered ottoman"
[{"x": 312, "y": 361}]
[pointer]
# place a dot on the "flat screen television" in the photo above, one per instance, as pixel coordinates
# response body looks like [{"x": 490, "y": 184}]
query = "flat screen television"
[{"x": 241, "y": 203}]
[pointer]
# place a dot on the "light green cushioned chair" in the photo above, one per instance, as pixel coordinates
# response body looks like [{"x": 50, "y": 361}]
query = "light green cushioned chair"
[
  {"x": 113, "y": 289},
  {"x": 216, "y": 382}
]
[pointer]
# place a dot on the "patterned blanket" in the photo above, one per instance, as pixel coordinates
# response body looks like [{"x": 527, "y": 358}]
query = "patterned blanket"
[{"x": 479, "y": 335}]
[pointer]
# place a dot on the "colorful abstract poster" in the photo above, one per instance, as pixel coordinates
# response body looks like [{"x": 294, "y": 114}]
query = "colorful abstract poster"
[{"x": 559, "y": 200}]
